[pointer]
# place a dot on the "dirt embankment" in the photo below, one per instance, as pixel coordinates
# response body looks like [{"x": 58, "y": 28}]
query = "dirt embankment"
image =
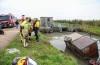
[{"x": 9, "y": 34}]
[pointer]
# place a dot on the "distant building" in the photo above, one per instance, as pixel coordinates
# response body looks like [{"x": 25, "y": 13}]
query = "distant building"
[{"x": 46, "y": 21}]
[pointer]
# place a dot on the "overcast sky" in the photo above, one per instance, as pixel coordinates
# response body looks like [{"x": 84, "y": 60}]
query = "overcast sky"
[{"x": 59, "y": 9}]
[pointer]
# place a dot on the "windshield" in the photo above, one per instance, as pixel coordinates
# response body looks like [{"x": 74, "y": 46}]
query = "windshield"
[{"x": 4, "y": 17}]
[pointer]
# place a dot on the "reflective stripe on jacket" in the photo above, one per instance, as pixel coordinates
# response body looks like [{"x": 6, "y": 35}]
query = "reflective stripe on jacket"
[{"x": 25, "y": 24}]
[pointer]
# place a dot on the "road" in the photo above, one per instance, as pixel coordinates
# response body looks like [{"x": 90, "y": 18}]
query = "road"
[{"x": 9, "y": 34}]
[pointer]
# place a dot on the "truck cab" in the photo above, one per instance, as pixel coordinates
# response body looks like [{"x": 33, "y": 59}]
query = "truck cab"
[{"x": 6, "y": 21}]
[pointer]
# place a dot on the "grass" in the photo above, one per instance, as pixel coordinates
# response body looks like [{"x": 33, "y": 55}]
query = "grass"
[
  {"x": 67, "y": 25},
  {"x": 95, "y": 30},
  {"x": 92, "y": 30},
  {"x": 62, "y": 24},
  {"x": 42, "y": 52}
]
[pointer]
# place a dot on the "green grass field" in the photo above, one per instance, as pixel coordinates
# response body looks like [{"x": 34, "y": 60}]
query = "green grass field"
[
  {"x": 67, "y": 25},
  {"x": 42, "y": 52},
  {"x": 93, "y": 30}
]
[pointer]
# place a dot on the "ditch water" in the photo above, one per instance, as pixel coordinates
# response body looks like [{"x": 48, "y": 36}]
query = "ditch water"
[{"x": 57, "y": 40}]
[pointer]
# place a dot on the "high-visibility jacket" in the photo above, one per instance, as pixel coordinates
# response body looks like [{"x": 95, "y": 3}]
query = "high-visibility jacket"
[
  {"x": 25, "y": 24},
  {"x": 30, "y": 27},
  {"x": 21, "y": 21},
  {"x": 37, "y": 24},
  {"x": 25, "y": 31}
]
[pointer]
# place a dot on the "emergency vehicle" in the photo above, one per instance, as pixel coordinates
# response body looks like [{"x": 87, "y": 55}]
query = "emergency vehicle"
[{"x": 7, "y": 20}]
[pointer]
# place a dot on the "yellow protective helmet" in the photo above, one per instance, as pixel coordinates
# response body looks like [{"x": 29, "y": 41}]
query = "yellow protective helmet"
[{"x": 21, "y": 61}]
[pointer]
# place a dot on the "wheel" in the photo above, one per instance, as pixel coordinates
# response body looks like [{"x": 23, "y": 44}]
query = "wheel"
[{"x": 12, "y": 25}]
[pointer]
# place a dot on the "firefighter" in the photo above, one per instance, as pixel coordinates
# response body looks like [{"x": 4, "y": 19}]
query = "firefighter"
[
  {"x": 36, "y": 28},
  {"x": 20, "y": 22},
  {"x": 25, "y": 32},
  {"x": 30, "y": 26}
]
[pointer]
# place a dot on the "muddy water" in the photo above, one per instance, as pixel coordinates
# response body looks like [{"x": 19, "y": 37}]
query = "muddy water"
[{"x": 58, "y": 42}]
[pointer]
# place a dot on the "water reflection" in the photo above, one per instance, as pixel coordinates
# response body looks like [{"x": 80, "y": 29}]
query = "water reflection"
[{"x": 59, "y": 44}]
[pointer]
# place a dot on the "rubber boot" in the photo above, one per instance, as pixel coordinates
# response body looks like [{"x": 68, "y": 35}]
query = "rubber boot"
[
  {"x": 27, "y": 41},
  {"x": 22, "y": 39},
  {"x": 24, "y": 43}
]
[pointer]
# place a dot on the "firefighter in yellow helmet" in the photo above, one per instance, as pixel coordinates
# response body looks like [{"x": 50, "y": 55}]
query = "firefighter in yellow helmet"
[
  {"x": 36, "y": 26},
  {"x": 25, "y": 32},
  {"x": 20, "y": 22}
]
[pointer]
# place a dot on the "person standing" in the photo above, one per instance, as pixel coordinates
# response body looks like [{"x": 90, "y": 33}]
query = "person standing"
[
  {"x": 17, "y": 23},
  {"x": 30, "y": 27},
  {"x": 25, "y": 32},
  {"x": 20, "y": 22},
  {"x": 36, "y": 26}
]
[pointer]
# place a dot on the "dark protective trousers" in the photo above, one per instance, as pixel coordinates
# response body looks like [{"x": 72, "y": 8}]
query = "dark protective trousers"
[{"x": 36, "y": 33}]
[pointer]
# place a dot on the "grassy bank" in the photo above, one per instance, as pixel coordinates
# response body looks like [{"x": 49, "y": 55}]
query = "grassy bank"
[
  {"x": 67, "y": 25},
  {"x": 92, "y": 30},
  {"x": 42, "y": 52}
]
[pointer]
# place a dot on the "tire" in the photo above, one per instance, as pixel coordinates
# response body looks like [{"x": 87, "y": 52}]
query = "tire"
[
  {"x": 2, "y": 26},
  {"x": 12, "y": 25}
]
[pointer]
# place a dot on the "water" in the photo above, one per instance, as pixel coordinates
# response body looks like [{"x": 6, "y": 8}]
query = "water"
[{"x": 58, "y": 42}]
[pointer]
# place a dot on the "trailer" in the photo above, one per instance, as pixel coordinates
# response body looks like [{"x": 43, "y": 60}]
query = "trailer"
[{"x": 82, "y": 46}]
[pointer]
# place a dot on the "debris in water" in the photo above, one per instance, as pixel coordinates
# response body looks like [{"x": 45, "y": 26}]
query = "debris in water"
[{"x": 12, "y": 51}]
